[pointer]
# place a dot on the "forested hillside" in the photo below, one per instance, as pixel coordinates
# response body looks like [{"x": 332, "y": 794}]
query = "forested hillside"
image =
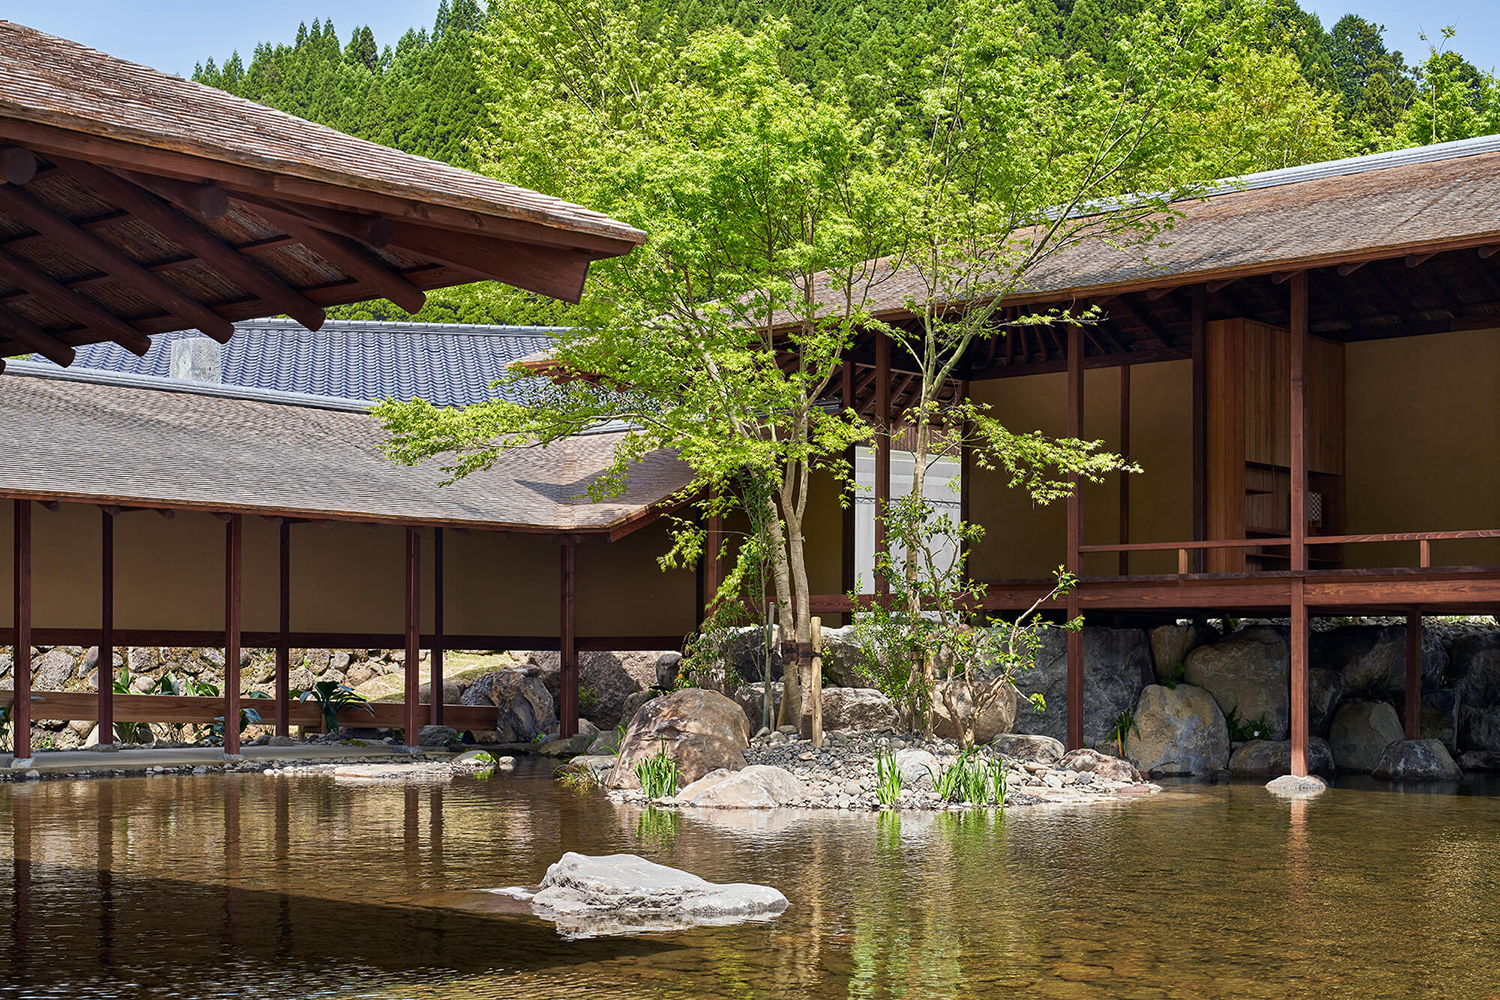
[{"x": 1296, "y": 92}]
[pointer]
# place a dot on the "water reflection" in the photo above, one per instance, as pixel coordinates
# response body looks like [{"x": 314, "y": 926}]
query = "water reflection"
[{"x": 220, "y": 886}]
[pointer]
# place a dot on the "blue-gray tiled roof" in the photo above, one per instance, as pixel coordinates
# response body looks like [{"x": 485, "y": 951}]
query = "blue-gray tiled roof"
[{"x": 447, "y": 364}]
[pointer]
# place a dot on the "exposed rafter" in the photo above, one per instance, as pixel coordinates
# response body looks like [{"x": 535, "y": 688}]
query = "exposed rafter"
[
  {"x": 80, "y": 307},
  {"x": 29, "y": 335}
]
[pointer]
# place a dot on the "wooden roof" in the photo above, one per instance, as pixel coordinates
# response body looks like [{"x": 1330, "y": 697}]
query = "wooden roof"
[
  {"x": 135, "y": 202},
  {"x": 100, "y": 439}
]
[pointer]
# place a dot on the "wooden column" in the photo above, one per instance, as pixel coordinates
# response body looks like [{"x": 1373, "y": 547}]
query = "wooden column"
[
  {"x": 1125, "y": 476},
  {"x": 435, "y": 682},
  {"x": 283, "y": 635},
  {"x": 20, "y": 713},
  {"x": 1297, "y": 421},
  {"x": 882, "y": 449},
  {"x": 105, "y": 669},
  {"x": 1199, "y": 319},
  {"x": 713, "y": 562},
  {"x": 1414, "y": 676},
  {"x": 1075, "y": 539},
  {"x": 412, "y": 717},
  {"x": 233, "y": 577},
  {"x": 568, "y": 648},
  {"x": 848, "y": 521},
  {"x": 965, "y": 467}
]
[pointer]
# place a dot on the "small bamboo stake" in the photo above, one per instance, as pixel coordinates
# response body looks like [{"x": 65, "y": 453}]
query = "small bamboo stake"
[{"x": 815, "y": 687}]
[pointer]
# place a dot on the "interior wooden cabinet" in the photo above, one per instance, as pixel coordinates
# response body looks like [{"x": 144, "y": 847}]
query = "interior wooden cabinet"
[{"x": 1249, "y": 442}]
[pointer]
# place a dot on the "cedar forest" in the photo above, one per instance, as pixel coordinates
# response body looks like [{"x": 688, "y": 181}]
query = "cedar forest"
[{"x": 1323, "y": 93}]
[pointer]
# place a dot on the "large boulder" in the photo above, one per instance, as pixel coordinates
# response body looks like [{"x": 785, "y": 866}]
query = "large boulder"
[
  {"x": 751, "y": 699},
  {"x": 525, "y": 709},
  {"x": 843, "y": 659},
  {"x": 606, "y": 680},
  {"x": 52, "y": 670},
  {"x": 580, "y": 742},
  {"x": 759, "y": 786},
  {"x": 1178, "y": 731},
  {"x": 1325, "y": 689},
  {"x": 1475, "y": 669},
  {"x": 1171, "y": 644},
  {"x": 1247, "y": 673},
  {"x": 1269, "y": 758},
  {"x": 1417, "y": 760},
  {"x": 700, "y": 730},
  {"x": 1116, "y": 667},
  {"x": 918, "y": 767},
  {"x": 745, "y": 654},
  {"x": 1372, "y": 658},
  {"x": 996, "y": 715},
  {"x": 1440, "y": 715},
  {"x": 1023, "y": 746},
  {"x": 858, "y": 710},
  {"x": 623, "y": 893},
  {"x": 1360, "y": 733}
]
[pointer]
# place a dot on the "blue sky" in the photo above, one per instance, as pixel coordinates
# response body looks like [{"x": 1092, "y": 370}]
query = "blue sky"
[{"x": 174, "y": 34}]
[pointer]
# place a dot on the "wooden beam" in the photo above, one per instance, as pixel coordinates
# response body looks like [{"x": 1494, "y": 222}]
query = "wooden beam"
[
  {"x": 1153, "y": 294},
  {"x": 1347, "y": 269},
  {"x": 32, "y": 337},
  {"x": 20, "y": 716},
  {"x": 95, "y": 252},
  {"x": 284, "y": 628},
  {"x": 1089, "y": 362},
  {"x": 1075, "y": 539},
  {"x": 1418, "y": 259},
  {"x": 348, "y": 256},
  {"x": 75, "y": 304},
  {"x": 1414, "y": 676},
  {"x": 1156, "y": 334},
  {"x": 206, "y": 201},
  {"x": 181, "y": 229},
  {"x": 104, "y": 670},
  {"x": 1486, "y": 252},
  {"x": 435, "y": 664},
  {"x": 882, "y": 451},
  {"x": 411, "y": 724},
  {"x": 233, "y": 592},
  {"x": 1282, "y": 277},
  {"x": 17, "y": 165},
  {"x": 552, "y": 271},
  {"x": 1215, "y": 287},
  {"x": 568, "y": 646}
]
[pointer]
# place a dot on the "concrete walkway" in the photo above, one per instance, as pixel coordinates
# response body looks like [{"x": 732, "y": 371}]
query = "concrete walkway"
[{"x": 51, "y": 761}]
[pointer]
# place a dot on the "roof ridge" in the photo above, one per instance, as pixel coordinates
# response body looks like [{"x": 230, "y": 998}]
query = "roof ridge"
[
  {"x": 98, "y": 376},
  {"x": 407, "y": 327},
  {"x": 1349, "y": 165}
]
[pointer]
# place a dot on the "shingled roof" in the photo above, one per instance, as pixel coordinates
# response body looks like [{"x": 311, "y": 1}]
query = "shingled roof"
[
  {"x": 136, "y": 202},
  {"x": 447, "y": 364},
  {"x": 75, "y": 437}
]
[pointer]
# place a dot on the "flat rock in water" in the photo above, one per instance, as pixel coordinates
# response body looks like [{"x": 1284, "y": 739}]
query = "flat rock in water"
[
  {"x": 390, "y": 772},
  {"x": 1290, "y": 787},
  {"x": 759, "y": 786},
  {"x": 625, "y": 894}
]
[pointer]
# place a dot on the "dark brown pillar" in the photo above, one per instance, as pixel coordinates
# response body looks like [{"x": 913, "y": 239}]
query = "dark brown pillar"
[
  {"x": 1075, "y": 539},
  {"x": 848, "y": 522},
  {"x": 412, "y": 715},
  {"x": 965, "y": 468},
  {"x": 713, "y": 562},
  {"x": 1414, "y": 676},
  {"x": 283, "y": 635},
  {"x": 1199, "y": 319},
  {"x": 1125, "y": 476},
  {"x": 435, "y": 686},
  {"x": 20, "y": 713},
  {"x": 882, "y": 450},
  {"x": 105, "y": 669},
  {"x": 1297, "y": 421},
  {"x": 233, "y": 574},
  {"x": 567, "y": 646}
]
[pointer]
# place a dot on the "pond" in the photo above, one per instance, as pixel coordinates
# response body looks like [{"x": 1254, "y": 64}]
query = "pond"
[{"x": 251, "y": 885}]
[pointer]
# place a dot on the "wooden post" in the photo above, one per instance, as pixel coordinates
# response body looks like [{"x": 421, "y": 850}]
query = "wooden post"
[
  {"x": 848, "y": 522},
  {"x": 882, "y": 450},
  {"x": 965, "y": 468},
  {"x": 713, "y": 560},
  {"x": 568, "y": 648},
  {"x": 815, "y": 690},
  {"x": 435, "y": 673},
  {"x": 1199, "y": 328},
  {"x": 20, "y": 713},
  {"x": 1414, "y": 676},
  {"x": 1125, "y": 476},
  {"x": 283, "y": 635},
  {"x": 233, "y": 553},
  {"x": 1299, "y": 678},
  {"x": 413, "y": 706},
  {"x": 1075, "y": 539},
  {"x": 1297, "y": 421},
  {"x": 105, "y": 669}
]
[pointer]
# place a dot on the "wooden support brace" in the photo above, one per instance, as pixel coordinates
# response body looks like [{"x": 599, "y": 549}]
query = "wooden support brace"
[
  {"x": 1418, "y": 259},
  {"x": 206, "y": 201},
  {"x": 1413, "y": 713},
  {"x": 1347, "y": 269},
  {"x": 17, "y": 165},
  {"x": 1485, "y": 253},
  {"x": 1282, "y": 277},
  {"x": 1215, "y": 287},
  {"x": 94, "y": 251}
]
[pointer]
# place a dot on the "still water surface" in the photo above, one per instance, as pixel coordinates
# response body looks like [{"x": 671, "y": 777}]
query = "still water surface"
[{"x": 258, "y": 886}]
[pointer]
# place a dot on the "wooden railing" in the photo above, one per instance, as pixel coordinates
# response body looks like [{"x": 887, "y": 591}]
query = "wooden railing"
[
  {"x": 1424, "y": 540},
  {"x": 84, "y": 705}
]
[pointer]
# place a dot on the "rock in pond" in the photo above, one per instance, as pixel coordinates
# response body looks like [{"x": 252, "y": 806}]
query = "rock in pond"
[
  {"x": 1417, "y": 760},
  {"x": 569, "y": 746},
  {"x": 625, "y": 894},
  {"x": 1247, "y": 673},
  {"x": 1361, "y": 732},
  {"x": 759, "y": 786},
  {"x": 1271, "y": 758},
  {"x": 438, "y": 736},
  {"x": 1178, "y": 731},
  {"x": 1024, "y": 746},
  {"x": 700, "y": 730},
  {"x": 1289, "y": 787},
  {"x": 1116, "y": 666},
  {"x": 1101, "y": 764}
]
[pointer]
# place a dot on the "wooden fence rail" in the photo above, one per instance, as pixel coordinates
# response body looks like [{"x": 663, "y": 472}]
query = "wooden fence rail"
[{"x": 71, "y": 705}]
